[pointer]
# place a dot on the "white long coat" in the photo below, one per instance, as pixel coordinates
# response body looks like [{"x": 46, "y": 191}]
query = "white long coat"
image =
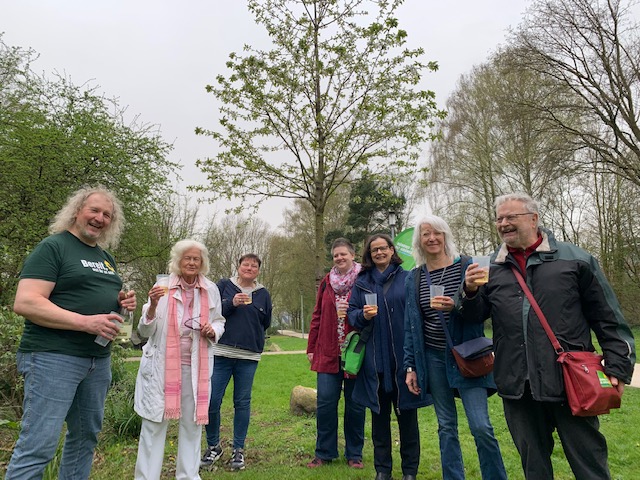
[{"x": 149, "y": 391}]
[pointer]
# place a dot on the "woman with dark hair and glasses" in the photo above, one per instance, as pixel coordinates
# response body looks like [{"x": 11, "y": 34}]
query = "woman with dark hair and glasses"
[
  {"x": 380, "y": 384},
  {"x": 174, "y": 378}
]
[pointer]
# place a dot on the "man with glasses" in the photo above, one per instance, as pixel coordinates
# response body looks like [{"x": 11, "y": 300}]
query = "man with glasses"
[{"x": 576, "y": 298}]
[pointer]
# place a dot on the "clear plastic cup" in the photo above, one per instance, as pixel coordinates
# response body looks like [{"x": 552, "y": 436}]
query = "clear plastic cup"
[
  {"x": 162, "y": 280},
  {"x": 483, "y": 263},
  {"x": 435, "y": 291},
  {"x": 371, "y": 299}
]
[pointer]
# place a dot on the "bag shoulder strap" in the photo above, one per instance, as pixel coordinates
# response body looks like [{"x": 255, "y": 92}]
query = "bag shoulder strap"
[
  {"x": 386, "y": 286},
  {"x": 543, "y": 320},
  {"x": 365, "y": 333},
  {"x": 465, "y": 261},
  {"x": 323, "y": 285}
]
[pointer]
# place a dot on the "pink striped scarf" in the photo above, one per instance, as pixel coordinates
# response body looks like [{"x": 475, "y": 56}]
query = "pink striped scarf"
[{"x": 172, "y": 372}]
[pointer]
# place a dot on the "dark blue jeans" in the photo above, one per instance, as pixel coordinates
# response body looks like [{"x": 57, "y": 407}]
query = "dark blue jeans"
[
  {"x": 329, "y": 389},
  {"x": 242, "y": 372},
  {"x": 474, "y": 401}
]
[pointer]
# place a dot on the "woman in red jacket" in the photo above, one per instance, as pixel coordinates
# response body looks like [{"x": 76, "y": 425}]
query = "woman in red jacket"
[{"x": 329, "y": 328}]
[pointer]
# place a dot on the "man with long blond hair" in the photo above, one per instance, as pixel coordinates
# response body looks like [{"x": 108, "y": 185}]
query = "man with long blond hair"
[{"x": 68, "y": 287}]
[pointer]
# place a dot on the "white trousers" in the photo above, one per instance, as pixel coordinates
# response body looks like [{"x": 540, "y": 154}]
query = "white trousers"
[{"x": 153, "y": 437}]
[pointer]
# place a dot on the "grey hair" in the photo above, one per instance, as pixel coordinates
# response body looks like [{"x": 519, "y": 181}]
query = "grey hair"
[
  {"x": 439, "y": 225},
  {"x": 66, "y": 216},
  {"x": 527, "y": 201},
  {"x": 178, "y": 250}
]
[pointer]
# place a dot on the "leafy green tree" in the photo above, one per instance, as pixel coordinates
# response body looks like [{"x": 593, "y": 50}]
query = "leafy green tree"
[
  {"x": 55, "y": 137},
  {"x": 295, "y": 291},
  {"x": 337, "y": 93}
]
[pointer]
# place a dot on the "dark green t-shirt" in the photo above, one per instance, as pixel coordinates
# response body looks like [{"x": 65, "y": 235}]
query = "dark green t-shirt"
[{"x": 86, "y": 283}]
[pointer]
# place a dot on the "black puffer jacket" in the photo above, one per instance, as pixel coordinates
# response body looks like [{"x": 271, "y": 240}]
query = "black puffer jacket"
[{"x": 575, "y": 297}]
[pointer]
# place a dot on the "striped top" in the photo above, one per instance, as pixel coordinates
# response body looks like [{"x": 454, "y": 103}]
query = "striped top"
[
  {"x": 228, "y": 351},
  {"x": 450, "y": 277}
]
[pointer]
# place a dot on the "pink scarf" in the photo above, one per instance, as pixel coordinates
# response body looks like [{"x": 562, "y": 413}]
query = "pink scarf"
[
  {"x": 342, "y": 283},
  {"x": 172, "y": 372}
]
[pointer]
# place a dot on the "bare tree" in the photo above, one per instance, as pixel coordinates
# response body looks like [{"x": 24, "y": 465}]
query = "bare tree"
[
  {"x": 592, "y": 47},
  {"x": 493, "y": 142},
  {"x": 145, "y": 251},
  {"x": 233, "y": 237}
]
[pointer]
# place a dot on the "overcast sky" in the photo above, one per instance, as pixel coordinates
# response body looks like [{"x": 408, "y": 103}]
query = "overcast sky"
[{"x": 156, "y": 56}]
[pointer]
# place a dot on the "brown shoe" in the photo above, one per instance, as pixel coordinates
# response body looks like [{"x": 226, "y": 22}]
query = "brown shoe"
[
  {"x": 317, "y": 462},
  {"x": 355, "y": 463}
]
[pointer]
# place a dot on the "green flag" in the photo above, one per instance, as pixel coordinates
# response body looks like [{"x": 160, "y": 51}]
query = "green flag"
[{"x": 403, "y": 248}]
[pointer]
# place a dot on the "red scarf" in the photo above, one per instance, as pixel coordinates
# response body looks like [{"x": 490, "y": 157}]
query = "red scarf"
[{"x": 173, "y": 373}]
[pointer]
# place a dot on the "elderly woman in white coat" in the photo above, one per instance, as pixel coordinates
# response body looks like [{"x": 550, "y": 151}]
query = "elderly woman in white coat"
[{"x": 174, "y": 379}]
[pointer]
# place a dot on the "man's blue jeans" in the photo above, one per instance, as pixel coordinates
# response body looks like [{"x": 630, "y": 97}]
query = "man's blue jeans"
[
  {"x": 474, "y": 401},
  {"x": 59, "y": 388},
  {"x": 329, "y": 390},
  {"x": 242, "y": 372}
]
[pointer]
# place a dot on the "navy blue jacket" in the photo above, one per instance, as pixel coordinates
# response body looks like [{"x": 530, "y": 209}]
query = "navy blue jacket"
[
  {"x": 365, "y": 391},
  {"x": 246, "y": 325},
  {"x": 414, "y": 345}
]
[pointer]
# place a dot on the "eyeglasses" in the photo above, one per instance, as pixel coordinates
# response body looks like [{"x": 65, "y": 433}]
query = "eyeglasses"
[
  {"x": 379, "y": 249},
  {"x": 512, "y": 218},
  {"x": 193, "y": 323}
]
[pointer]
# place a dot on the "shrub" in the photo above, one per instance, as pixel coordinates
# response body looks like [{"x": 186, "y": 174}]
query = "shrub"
[
  {"x": 120, "y": 420},
  {"x": 11, "y": 383}
]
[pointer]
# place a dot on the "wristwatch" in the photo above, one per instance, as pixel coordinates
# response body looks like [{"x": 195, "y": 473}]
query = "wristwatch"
[{"x": 409, "y": 369}]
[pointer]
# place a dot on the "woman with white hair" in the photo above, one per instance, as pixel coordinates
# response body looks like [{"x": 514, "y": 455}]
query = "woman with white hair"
[
  {"x": 428, "y": 361},
  {"x": 174, "y": 379}
]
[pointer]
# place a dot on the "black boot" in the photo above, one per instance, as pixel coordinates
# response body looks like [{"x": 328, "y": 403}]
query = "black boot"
[
  {"x": 408, "y": 477},
  {"x": 383, "y": 476}
]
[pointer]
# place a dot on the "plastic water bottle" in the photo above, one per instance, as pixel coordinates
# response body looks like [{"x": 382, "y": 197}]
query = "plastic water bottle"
[{"x": 123, "y": 313}]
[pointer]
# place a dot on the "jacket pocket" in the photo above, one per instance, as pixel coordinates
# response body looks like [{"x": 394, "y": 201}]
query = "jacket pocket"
[{"x": 148, "y": 360}]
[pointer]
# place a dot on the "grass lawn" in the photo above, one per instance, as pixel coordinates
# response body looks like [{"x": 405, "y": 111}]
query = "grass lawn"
[
  {"x": 278, "y": 343},
  {"x": 280, "y": 444}
]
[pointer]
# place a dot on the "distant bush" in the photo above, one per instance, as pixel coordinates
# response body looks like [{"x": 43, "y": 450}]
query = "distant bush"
[{"x": 11, "y": 383}]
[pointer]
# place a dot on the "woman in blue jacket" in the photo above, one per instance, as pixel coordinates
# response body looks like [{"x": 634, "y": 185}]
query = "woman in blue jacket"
[
  {"x": 381, "y": 380},
  {"x": 431, "y": 368}
]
